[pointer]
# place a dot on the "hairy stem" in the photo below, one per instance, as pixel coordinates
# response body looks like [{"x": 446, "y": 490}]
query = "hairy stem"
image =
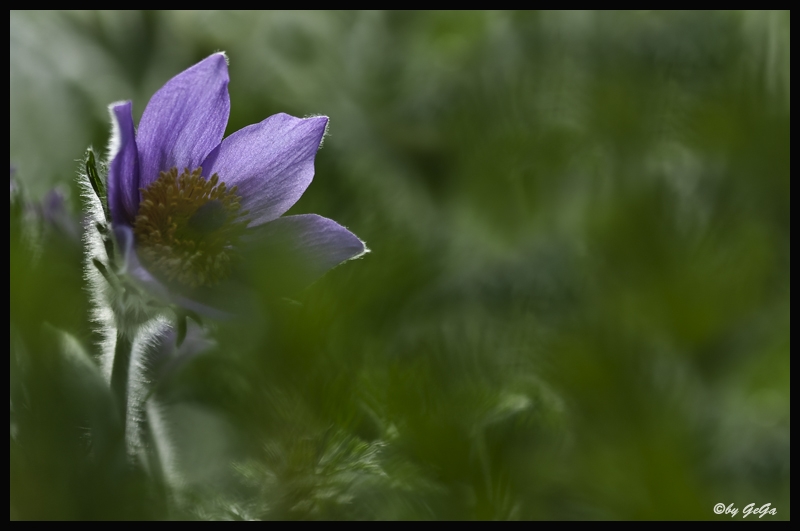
[{"x": 119, "y": 374}]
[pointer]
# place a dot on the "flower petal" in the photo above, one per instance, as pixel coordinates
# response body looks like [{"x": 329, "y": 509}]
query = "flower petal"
[
  {"x": 271, "y": 162},
  {"x": 123, "y": 173},
  {"x": 302, "y": 248},
  {"x": 144, "y": 279},
  {"x": 185, "y": 119},
  {"x": 164, "y": 358}
]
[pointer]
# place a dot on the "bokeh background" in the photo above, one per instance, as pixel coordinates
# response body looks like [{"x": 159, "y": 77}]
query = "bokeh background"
[{"x": 576, "y": 305}]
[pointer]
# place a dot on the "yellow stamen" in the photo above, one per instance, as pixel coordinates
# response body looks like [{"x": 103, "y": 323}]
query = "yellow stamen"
[{"x": 188, "y": 227}]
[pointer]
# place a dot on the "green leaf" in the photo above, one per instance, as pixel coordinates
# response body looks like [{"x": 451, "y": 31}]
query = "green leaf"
[{"x": 94, "y": 179}]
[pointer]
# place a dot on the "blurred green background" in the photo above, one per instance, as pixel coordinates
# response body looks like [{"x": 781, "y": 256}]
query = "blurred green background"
[{"x": 577, "y": 301}]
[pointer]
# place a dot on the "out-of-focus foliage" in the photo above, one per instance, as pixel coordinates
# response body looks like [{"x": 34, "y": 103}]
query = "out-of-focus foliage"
[{"x": 577, "y": 300}]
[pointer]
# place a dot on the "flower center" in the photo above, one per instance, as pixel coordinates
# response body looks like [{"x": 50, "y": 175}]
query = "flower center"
[{"x": 188, "y": 227}]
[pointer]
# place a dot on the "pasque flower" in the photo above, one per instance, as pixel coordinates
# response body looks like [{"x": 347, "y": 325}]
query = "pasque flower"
[{"x": 184, "y": 202}]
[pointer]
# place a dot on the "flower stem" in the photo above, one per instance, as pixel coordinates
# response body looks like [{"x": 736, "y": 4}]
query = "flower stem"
[{"x": 119, "y": 374}]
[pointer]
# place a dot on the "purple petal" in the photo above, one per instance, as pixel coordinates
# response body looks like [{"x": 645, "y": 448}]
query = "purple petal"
[
  {"x": 57, "y": 215},
  {"x": 123, "y": 174},
  {"x": 271, "y": 162},
  {"x": 165, "y": 358},
  {"x": 185, "y": 119},
  {"x": 308, "y": 244},
  {"x": 144, "y": 279}
]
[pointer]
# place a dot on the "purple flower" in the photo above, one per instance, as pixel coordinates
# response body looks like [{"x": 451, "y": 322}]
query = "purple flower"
[{"x": 185, "y": 203}]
